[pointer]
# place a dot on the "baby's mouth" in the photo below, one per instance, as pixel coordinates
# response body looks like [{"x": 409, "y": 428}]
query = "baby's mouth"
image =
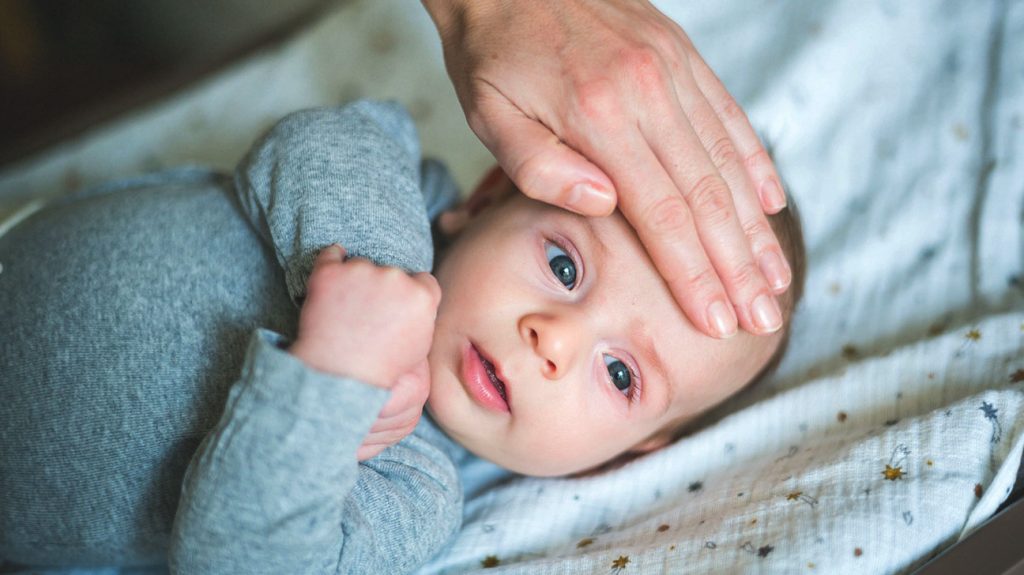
[{"x": 498, "y": 384}]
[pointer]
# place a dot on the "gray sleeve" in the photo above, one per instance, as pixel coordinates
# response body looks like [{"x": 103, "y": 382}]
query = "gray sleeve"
[
  {"x": 348, "y": 175},
  {"x": 275, "y": 486}
]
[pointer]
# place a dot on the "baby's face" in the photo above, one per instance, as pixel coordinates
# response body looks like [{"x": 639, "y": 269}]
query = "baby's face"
[{"x": 593, "y": 355}]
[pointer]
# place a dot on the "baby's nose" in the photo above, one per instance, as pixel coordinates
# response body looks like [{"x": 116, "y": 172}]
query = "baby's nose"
[{"x": 554, "y": 341}]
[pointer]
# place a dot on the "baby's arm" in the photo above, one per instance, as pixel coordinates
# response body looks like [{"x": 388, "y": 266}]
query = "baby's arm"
[
  {"x": 275, "y": 487},
  {"x": 352, "y": 176},
  {"x": 347, "y": 175}
]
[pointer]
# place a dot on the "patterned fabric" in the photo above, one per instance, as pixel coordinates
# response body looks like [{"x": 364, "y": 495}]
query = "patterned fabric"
[{"x": 886, "y": 433}]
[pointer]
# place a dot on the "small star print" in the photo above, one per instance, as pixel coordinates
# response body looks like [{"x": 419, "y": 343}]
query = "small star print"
[
  {"x": 619, "y": 564},
  {"x": 973, "y": 335},
  {"x": 992, "y": 415},
  {"x": 893, "y": 473},
  {"x": 584, "y": 542},
  {"x": 490, "y": 561},
  {"x": 1017, "y": 376},
  {"x": 989, "y": 410}
]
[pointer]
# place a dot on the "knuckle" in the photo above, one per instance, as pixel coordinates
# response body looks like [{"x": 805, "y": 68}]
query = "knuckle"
[
  {"x": 722, "y": 152},
  {"x": 756, "y": 228},
  {"x": 759, "y": 158},
  {"x": 710, "y": 199},
  {"x": 597, "y": 100},
  {"x": 644, "y": 66},
  {"x": 731, "y": 111},
  {"x": 535, "y": 168},
  {"x": 669, "y": 216},
  {"x": 703, "y": 281},
  {"x": 664, "y": 40},
  {"x": 745, "y": 275},
  {"x": 422, "y": 296}
]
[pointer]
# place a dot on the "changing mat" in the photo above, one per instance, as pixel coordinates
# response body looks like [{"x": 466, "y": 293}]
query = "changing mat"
[{"x": 894, "y": 424}]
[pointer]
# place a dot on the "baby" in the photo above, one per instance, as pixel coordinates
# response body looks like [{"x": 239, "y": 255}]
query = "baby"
[{"x": 556, "y": 348}]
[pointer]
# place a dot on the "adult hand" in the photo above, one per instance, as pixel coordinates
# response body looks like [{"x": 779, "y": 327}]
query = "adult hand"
[{"x": 588, "y": 103}]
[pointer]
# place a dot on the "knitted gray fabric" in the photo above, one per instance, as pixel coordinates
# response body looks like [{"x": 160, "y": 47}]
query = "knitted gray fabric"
[{"x": 144, "y": 316}]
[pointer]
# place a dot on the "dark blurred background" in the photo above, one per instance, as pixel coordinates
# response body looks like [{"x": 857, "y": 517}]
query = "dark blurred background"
[{"x": 66, "y": 65}]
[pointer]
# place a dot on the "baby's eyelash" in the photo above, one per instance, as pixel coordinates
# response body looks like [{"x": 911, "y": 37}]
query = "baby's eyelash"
[
  {"x": 570, "y": 250},
  {"x": 635, "y": 381},
  {"x": 635, "y": 392}
]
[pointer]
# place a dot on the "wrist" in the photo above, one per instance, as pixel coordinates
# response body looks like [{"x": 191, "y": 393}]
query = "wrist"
[
  {"x": 451, "y": 16},
  {"x": 338, "y": 365},
  {"x": 444, "y": 13}
]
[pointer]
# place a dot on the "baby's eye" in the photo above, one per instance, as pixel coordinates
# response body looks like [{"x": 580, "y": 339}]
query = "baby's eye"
[
  {"x": 619, "y": 372},
  {"x": 561, "y": 264}
]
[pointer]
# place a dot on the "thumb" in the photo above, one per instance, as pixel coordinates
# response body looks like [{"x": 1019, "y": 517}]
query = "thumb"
[{"x": 543, "y": 166}]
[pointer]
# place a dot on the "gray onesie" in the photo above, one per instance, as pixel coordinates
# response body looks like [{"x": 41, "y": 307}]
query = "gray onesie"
[{"x": 149, "y": 412}]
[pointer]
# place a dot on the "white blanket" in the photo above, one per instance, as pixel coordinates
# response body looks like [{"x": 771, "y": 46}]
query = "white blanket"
[{"x": 894, "y": 425}]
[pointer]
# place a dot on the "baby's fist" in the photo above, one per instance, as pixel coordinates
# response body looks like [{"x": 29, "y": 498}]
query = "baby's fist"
[{"x": 364, "y": 321}]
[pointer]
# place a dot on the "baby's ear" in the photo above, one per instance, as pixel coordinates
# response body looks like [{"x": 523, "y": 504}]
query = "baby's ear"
[{"x": 493, "y": 187}]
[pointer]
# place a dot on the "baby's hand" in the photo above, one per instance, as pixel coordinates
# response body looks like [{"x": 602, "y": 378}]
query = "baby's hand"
[
  {"x": 363, "y": 321},
  {"x": 400, "y": 414}
]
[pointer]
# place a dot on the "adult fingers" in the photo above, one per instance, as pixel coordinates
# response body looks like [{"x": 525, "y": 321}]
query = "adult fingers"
[
  {"x": 724, "y": 155},
  {"x": 541, "y": 165},
  {"x": 755, "y": 159},
  {"x": 665, "y": 225},
  {"x": 711, "y": 202}
]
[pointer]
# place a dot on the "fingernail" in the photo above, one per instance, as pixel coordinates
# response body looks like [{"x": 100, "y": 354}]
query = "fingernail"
[
  {"x": 767, "y": 316},
  {"x": 772, "y": 196},
  {"x": 775, "y": 270},
  {"x": 588, "y": 200},
  {"x": 722, "y": 318}
]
